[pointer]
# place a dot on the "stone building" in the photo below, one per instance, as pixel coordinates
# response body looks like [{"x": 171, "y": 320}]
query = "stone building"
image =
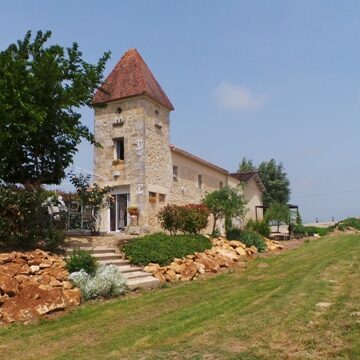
[{"x": 136, "y": 158}]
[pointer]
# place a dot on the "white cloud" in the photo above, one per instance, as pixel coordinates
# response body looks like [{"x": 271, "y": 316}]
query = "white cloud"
[{"x": 231, "y": 96}]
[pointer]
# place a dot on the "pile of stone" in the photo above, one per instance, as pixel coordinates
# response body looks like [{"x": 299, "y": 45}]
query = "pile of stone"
[
  {"x": 223, "y": 254},
  {"x": 273, "y": 245},
  {"x": 33, "y": 284}
]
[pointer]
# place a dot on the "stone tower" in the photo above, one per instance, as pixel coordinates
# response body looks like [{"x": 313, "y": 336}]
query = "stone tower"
[{"x": 133, "y": 128}]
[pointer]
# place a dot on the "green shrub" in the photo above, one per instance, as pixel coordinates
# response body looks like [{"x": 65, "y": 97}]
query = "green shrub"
[
  {"x": 216, "y": 233},
  {"x": 162, "y": 248},
  {"x": 234, "y": 234},
  {"x": 106, "y": 282},
  {"x": 261, "y": 227},
  {"x": 300, "y": 229},
  {"x": 189, "y": 219},
  {"x": 81, "y": 260},
  {"x": 349, "y": 223},
  {"x": 24, "y": 220},
  {"x": 249, "y": 238}
]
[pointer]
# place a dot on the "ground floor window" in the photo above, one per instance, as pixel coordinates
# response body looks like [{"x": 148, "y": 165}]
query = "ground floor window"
[{"x": 162, "y": 198}]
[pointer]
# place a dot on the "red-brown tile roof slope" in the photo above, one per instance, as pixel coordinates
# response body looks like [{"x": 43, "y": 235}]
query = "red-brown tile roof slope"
[{"x": 130, "y": 77}]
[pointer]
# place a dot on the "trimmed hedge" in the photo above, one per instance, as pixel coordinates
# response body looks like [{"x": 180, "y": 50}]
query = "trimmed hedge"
[
  {"x": 249, "y": 238},
  {"x": 161, "y": 248},
  {"x": 310, "y": 230}
]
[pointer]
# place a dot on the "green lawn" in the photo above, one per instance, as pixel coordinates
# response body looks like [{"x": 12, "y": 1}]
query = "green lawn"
[{"x": 265, "y": 312}]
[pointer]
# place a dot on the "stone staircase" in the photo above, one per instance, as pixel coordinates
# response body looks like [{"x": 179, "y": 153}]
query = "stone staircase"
[{"x": 135, "y": 276}]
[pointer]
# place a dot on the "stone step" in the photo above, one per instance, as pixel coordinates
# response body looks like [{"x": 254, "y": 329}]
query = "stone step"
[
  {"x": 117, "y": 262},
  {"x": 136, "y": 274},
  {"x": 93, "y": 250},
  {"x": 107, "y": 256},
  {"x": 148, "y": 282},
  {"x": 103, "y": 250},
  {"x": 128, "y": 268}
]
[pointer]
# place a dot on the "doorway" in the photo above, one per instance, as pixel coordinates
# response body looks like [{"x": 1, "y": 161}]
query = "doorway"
[{"x": 118, "y": 212}]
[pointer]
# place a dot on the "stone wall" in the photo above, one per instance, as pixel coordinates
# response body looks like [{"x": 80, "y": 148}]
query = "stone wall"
[{"x": 144, "y": 125}]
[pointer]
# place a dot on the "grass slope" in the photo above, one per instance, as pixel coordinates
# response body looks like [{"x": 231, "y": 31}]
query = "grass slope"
[{"x": 266, "y": 312}]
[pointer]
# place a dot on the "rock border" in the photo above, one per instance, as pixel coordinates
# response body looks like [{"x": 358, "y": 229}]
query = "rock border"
[{"x": 223, "y": 254}]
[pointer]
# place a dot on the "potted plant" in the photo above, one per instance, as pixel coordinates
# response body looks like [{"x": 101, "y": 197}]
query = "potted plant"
[{"x": 133, "y": 211}]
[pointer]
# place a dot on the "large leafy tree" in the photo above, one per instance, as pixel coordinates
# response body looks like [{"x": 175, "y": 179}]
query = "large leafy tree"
[
  {"x": 246, "y": 165},
  {"x": 42, "y": 88},
  {"x": 226, "y": 203},
  {"x": 274, "y": 178},
  {"x": 279, "y": 213}
]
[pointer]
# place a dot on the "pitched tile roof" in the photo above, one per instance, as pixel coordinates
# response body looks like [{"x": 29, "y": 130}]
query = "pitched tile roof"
[
  {"x": 245, "y": 176},
  {"x": 131, "y": 77}
]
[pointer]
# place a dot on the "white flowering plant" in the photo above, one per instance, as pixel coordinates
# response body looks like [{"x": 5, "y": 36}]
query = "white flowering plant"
[{"x": 106, "y": 282}]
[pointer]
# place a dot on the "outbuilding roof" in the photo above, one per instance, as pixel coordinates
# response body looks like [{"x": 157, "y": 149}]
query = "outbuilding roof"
[{"x": 245, "y": 176}]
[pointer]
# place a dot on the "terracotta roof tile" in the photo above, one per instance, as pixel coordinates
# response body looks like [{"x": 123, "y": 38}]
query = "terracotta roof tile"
[{"x": 130, "y": 77}]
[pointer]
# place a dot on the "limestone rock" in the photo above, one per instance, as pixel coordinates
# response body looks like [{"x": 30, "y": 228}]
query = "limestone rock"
[
  {"x": 176, "y": 266},
  {"x": 210, "y": 265},
  {"x": 33, "y": 284},
  {"x": 67, "y": 285},
  {"x": 223, "y": 261},
  {"x": 152, "y": 268},
  {"x": 73, "y": 296},
  {"x": 188, "y": 271},
  {"x": 34, "y": 269},
  {"x": 8, "y": 285},
  {"x": 159, "y": 275},
  {"x": 241, "y": 251},
  {"x": 170, "y": 275},
  {"x": 232, "y": 255},
  {"x": 5, "y": 258}
]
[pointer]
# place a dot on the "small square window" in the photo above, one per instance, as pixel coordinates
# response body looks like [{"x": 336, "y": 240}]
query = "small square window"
[
  {"x": 175, "y": 173},
  {"x": 200, "y": 181},
  {"x": 152, "y": 197},
  {"x": 162, "y": 198}
]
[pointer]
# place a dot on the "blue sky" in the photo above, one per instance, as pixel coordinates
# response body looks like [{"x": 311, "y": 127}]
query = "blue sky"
[{"x": 261, "y": 79}]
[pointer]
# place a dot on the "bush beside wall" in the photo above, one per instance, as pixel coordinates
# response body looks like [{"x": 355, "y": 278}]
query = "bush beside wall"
[
  {"x": 24, "y": 221},
  {"x": 188, "y": 219}
]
